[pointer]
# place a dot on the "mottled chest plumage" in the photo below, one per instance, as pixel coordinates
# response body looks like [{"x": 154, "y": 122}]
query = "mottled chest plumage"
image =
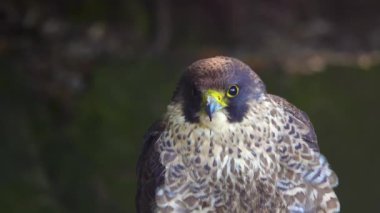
[{"x": 208, "y": 169}]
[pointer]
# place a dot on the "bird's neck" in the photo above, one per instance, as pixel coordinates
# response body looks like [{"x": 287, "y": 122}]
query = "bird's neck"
[{"x": 216, "y": 142}]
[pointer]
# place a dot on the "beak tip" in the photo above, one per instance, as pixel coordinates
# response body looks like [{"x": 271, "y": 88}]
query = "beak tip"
[
  {"x": 209, "y": 113},
  {"x": 212, "y": 106}
]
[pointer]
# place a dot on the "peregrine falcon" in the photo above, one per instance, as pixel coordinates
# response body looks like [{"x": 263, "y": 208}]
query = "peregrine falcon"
[{"x": 226, "y": 145}]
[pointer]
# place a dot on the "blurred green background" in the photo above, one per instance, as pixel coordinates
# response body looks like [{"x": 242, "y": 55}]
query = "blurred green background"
[{"x": 81, "y": 81}]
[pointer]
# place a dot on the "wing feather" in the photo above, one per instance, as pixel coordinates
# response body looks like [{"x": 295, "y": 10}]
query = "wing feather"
[
  {"x": 149, "y": 169},
  {"x": 300, "y": 118},
  {"x": 306, "y": 179}
]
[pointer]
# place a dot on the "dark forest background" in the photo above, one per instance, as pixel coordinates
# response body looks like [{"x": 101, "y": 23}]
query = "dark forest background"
[{"x": 81, "y": 81}]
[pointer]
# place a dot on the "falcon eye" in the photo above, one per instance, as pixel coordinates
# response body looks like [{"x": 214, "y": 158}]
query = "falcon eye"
[
  {"x": 233, "y": 91},
  {"x": 194, "y": 92}
]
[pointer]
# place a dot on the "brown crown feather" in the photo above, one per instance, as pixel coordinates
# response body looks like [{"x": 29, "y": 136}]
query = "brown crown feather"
[{"x": 214, "y": 72}]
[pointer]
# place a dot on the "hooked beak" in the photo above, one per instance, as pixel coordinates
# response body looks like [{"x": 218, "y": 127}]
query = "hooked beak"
[{"x": 214, "y": 102}]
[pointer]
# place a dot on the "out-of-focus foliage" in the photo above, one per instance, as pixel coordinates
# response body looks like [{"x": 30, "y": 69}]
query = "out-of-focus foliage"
[{"x": 81, "y": 81}]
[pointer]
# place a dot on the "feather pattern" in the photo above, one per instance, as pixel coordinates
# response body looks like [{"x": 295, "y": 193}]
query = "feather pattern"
[
  {"x": 305, "y": 171},
  {"x": 258, "y": 154},
  {"x": 150, "y": 171}
]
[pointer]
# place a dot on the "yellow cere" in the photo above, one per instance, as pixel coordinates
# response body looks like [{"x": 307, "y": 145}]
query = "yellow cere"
[{"x": 219, "y": 97}]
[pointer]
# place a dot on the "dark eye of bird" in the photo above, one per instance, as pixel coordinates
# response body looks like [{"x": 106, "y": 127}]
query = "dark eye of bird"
[
  {"x": 194, "y": 92},
  {"x": 233, "y": 91}
]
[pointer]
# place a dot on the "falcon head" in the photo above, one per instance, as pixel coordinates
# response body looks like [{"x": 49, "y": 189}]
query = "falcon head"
[{"x": 217, "y": 88}]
